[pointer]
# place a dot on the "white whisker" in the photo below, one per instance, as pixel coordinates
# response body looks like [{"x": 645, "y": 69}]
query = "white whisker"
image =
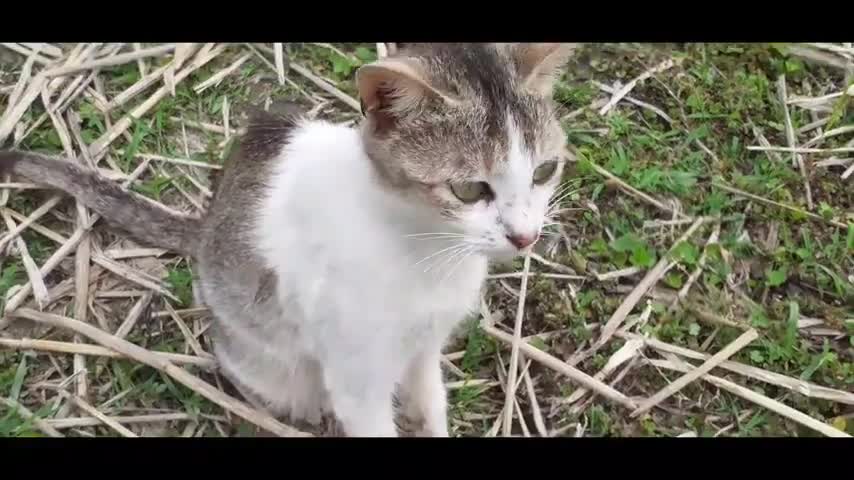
[
  {"x": 555, "y": 210},
  {"x": 569, "y": 187},
  {"x": 564, "y": 196},
  {"x": 564, "y": 210},
  {"x": 450, "y": 257},
  {"x": 429, "y": 234},
  {"x": 428, "y": 257},
  {"x": 563, "y": 187},
  {"x": 439, "y": 239},
  {"x": 471, "y": 249}
]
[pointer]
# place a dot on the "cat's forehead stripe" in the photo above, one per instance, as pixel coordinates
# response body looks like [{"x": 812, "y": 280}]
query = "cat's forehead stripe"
[
  {"x": 518, "y": 152},
  {"x": 516, "y": 157},
  {"x": 480, "y": 72},
  {"x": 517, "y": 141}
]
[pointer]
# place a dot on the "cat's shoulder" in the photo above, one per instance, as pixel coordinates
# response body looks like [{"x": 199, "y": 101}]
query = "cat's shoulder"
[
  {"x": 267, "y": 132},
  {"x": 251, "y": 154}
]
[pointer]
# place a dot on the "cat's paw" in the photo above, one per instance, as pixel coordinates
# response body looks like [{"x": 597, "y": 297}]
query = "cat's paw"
[{"x": 413, "y": 419}]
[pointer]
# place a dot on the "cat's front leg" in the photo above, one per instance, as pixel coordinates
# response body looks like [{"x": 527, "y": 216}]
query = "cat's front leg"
[
  {"x": 361, "y": 393},
  {"x": 423, "y": 395}
]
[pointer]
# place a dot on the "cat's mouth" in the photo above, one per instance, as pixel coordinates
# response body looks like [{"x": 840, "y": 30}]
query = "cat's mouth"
[
  {"x": 509, "y": 252},
  {"x": 507, "y": 247}
]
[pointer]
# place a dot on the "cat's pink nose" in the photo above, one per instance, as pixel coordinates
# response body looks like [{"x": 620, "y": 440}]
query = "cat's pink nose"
[{"x": 522, "y": 241}]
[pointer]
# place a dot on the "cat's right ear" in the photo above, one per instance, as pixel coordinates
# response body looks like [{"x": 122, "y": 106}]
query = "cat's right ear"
[
  {"x": 539, "y": 63},
  {"x": 391, "y": 88}
]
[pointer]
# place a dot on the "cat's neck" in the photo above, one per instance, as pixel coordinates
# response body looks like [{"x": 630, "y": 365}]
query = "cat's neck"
[
  {"x": 397, "y": 207},
  {"x": 422, "y": 234}
]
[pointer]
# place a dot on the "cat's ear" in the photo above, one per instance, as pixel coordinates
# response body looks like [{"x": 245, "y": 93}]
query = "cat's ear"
[
  {"x": 393, "y": 87},
  {"x": 538, "y": 64}
]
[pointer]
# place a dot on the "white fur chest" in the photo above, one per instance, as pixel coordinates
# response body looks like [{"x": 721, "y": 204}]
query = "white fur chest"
[
  {"x": 399, "y": 306},
  {"x": 438, "y": 304},
  {"x": 346, "y": 269}
]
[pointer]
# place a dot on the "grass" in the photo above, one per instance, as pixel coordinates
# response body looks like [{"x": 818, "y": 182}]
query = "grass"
[{"x": 768, "y": 265}]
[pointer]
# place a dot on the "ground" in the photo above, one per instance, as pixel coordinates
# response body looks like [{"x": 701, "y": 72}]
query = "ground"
[{"x": 708, "y": 209}]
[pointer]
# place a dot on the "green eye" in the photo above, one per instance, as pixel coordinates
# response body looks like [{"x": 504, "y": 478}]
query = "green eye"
[
  {"x": 470, "y": 192},
  {"x": 544, "y": 172}
]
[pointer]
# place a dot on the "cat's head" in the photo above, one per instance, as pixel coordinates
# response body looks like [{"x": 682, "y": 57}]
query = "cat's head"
[{"x": 469, "y": 133}]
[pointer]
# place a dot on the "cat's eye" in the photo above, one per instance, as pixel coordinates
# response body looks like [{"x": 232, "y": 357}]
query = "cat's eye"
[
  {"x": 470, "y": 192},
  {"x": 544, "y": 172}
]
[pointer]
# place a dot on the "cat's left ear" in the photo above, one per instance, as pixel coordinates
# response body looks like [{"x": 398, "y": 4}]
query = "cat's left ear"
[
  {"x": 392, "y": 88},
  {"x": 538, "y": 64}
]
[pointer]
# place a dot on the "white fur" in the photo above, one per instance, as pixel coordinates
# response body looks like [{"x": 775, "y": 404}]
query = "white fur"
[
  {"x": 519, "y": 207},
  {"x": 367, "y": 307},
  {"x": 347, "y": 276}
]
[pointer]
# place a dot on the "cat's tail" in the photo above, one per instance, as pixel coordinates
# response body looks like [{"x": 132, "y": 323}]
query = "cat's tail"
[{"x": 144, "y": 220}]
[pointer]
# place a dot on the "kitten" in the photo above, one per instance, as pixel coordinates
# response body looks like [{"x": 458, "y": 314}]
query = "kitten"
[{"x": 336, "y": 261}]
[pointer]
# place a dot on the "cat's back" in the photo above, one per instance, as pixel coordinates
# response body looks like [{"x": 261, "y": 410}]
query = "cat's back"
[
  {"x": 281, "y": 154},
  {"x": 230, "y": 265},
  {"x": 240, "y": 186}
]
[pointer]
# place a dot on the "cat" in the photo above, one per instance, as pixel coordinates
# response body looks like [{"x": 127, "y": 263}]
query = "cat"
[{"x": 336, "y": 261}]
